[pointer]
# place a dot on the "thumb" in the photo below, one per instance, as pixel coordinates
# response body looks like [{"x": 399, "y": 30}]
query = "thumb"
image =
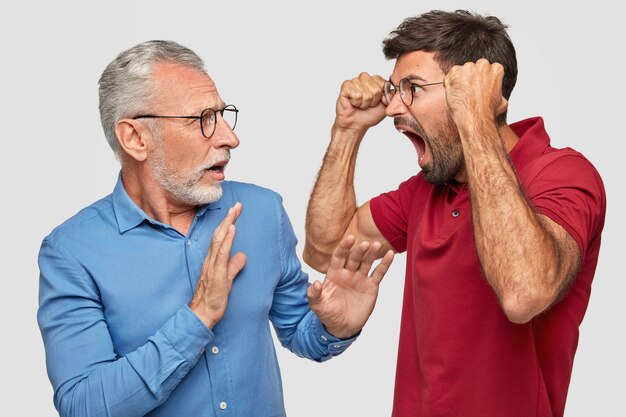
[
  {"x": 236, "y": 264},
  {"x": 314, "y": 292},
  {"x": 502, "y": 106}
]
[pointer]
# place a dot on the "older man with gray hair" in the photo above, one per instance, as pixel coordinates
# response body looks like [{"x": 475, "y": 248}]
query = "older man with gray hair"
[{"x": 140, "y": 311}]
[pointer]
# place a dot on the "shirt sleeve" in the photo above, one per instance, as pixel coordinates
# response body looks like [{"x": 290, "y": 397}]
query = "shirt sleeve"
[
  {"x": 570, "y": 192},
  {"x": 297, "y": 327},
  {"x": 88, "y": 377},
  {"x": 390, "y": 212}
]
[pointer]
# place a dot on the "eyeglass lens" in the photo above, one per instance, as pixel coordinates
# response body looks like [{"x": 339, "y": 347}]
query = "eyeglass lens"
[
  {"x": 405, "y": 91},
  {"x": 209, "y": 119}
]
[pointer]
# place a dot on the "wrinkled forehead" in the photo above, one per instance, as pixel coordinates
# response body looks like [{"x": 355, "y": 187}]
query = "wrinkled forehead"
[{"x": 185, "y": 87}]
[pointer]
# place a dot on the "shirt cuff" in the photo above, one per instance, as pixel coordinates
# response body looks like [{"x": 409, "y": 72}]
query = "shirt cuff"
[
  {"x": 329, "y": 343},
  {"x": 187, "y": 334}
]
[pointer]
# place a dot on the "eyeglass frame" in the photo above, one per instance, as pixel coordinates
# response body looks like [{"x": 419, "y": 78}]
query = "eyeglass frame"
[
  {"x": 228, "y": 107},
  {"x": 399, "y": 88}
]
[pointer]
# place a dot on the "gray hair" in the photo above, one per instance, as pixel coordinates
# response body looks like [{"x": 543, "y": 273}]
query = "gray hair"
[{"x": 125, "y": 87}]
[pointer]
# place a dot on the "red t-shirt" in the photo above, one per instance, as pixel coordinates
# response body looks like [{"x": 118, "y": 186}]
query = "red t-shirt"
[{"x": 458, "y": 353}]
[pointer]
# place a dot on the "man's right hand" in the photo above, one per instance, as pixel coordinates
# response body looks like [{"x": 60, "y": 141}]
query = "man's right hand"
[
  {"x": 361, "y": 103},
  {"x": 218, "y": 272}
]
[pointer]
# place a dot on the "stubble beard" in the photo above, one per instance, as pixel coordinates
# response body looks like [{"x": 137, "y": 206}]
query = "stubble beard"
[{"x": 446, "y": 150}]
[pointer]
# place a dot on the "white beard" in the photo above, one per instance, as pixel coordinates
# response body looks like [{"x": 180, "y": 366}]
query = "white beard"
[{"x": 185, "y": 185}]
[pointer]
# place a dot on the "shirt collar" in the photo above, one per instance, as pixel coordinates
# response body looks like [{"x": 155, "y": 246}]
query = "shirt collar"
[
  {"x": 129, "y": 215},
  {"x": 533, "y": 141}
]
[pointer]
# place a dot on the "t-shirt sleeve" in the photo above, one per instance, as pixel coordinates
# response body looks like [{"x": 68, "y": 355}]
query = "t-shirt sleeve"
[
  {"x": 390, "y": 212},
  {"x": 570, "y": 192}
]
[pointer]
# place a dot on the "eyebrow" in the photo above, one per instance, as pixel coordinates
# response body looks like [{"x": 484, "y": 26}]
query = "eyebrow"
[
  {"x": 412, "y": 77},
  {"x": 219, "y": 106},
  {"x": 416, "y": 78}
]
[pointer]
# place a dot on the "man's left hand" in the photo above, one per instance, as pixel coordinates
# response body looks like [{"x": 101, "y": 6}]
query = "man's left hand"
[
  {"x": 346, "y": 298},
  {"x": 474, "y": 91}
]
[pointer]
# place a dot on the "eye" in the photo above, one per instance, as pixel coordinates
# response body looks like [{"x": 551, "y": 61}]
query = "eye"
[
  {"x": 208, "y": 117},
  {"x": 415, "y": 88}
]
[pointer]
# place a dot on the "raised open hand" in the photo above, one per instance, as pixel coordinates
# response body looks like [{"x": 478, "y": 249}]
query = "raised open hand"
[
  {"x": 218, "y": 272},
  {"x": 346, "y": 298}
]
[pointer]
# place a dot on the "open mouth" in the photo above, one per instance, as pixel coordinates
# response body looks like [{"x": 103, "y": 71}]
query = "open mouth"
[
  {"x": 218, "y": 167},
  {"x": 418, "y": 143}
]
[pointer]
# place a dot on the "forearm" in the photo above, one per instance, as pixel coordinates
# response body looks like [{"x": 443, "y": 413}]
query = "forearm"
[
  {"x": 131, "y": 385},
  {"x": 518, "y": 256},
  {"x": 332, "y": 205},
  {"x": 297, "y": 327}
]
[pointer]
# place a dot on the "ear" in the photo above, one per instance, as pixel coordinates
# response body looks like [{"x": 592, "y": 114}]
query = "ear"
[{"x": 133, "y": 137}]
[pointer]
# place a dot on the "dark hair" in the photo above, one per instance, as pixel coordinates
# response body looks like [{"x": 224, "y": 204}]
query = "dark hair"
[{"x": 456, "y": 38}]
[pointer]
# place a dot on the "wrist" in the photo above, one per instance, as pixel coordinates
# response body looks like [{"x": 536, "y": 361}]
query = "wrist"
[
  {"x": 342, "y": 334},
  {"x": 475, "y": 125},
  {"x": 347, "y": 134},
  {"x": 205, "y": 317}
]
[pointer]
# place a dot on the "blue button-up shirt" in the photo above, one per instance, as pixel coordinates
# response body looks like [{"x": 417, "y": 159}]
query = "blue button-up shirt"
[{"x": 119, "y": 336}]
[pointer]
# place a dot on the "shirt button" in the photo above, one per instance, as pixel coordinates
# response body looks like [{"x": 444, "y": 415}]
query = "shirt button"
[
  {"x": 324, "y": 338},
  {"x": 215, "y": 350},
  {"x": 336, "y": 346},
  {"x": 188, "y": 242},
  {"x": 455, "y": 213},
  {"x": 223, "y": 405}
]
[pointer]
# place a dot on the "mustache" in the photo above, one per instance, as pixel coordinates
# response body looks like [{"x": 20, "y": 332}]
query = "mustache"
[
  {"x": 410, "y": 123},
  {"x": 223, "y": 155}
]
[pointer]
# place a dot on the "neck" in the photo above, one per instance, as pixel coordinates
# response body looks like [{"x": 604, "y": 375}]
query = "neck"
[{"x": 157, "y": 203}]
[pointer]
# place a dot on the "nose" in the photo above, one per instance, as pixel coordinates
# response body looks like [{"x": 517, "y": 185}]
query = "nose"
[
  {"x": 396, "y": 107},
  {"x": 224, "y": 136}
]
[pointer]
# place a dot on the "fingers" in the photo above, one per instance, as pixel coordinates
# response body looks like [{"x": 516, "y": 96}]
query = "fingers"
[
  {"x": 360, "y": 104},
  {"x": 363, "y": 92},
  {"x": 231, "y": 217},
  {"x": 356, "y": 256},
  {"x": 222, "y": 231},
  {"x": 222, "y": 251},
  {"x": 475, "y": 87},
  {"x": 382, "y": 268},
  {"x": 369, "y": 257},
  {"x": 218, "y": 271},
  {"x": 341, "y": 252},
  {"x": 235, "y": 265}
]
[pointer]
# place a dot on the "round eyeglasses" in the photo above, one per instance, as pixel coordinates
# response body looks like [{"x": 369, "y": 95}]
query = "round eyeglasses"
[
  {"x": 407, "y": 90},
  {"x": 208, "y": 118}
]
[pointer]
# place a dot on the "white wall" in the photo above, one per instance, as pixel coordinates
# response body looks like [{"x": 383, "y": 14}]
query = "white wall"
[{"x": 282, "y": 65}]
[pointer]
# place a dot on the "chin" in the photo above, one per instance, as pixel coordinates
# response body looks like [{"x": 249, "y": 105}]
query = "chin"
[
  {"x": 201, "y": 195},
  {"x": 211, "y": 194},
  {"x": 438, "y": 176}
]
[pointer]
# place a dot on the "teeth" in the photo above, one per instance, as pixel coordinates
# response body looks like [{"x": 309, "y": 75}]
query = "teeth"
[{"x": 401, "y": 130}]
